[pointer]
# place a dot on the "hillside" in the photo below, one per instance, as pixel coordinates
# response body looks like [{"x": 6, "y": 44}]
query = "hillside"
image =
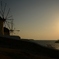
[{"x": 24, "y": 49}]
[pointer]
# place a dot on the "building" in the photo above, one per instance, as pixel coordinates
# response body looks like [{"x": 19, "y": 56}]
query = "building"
[
  {"x": 6, "y": 31},
  {"x": 1, "y": 26}
]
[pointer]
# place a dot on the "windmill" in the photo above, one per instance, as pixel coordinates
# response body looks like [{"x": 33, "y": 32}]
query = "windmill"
[{"x": 5, "y": 19}]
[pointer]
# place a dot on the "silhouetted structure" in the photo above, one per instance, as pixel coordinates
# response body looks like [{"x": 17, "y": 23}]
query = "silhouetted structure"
[
  {"x": 6, "y": 31},
  {"x": 1, "y": 26}
]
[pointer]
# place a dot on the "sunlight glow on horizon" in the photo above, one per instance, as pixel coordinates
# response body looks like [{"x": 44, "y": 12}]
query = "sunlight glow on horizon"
[{"x": 51, "y": 32}]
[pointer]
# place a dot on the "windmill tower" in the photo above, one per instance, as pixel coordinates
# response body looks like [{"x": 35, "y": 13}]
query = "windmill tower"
[
  {"x": 2, "y": 20},
  {"x": 6, "y": 20},
  {"x": 4, "y": 16}
]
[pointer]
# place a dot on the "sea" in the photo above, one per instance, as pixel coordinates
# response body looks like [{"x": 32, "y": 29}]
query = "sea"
[
  {"x": 47, "y": 43},
  {"x": 44, "y": 42}
]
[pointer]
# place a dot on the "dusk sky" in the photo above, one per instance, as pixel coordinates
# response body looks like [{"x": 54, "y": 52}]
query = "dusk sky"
[{"x": 36, "y": 19}]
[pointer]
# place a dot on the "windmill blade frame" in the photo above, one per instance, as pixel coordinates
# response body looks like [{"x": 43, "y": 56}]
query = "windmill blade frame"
[
  {"x": 4, "y": 9},
  {"x": 7, "y": 13},
  {"x": 5, "y": 16},
  {"x": 1, "y": 9}
]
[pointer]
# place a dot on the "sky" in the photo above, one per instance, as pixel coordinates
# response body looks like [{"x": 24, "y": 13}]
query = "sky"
[{"x": 36, "y": 19}]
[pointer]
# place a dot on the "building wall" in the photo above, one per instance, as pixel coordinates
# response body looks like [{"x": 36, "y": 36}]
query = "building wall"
[{"x": 6, "y": 31}]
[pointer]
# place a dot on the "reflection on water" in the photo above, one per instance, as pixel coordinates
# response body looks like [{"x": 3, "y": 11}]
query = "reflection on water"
[{"x": 55, "y": 45}]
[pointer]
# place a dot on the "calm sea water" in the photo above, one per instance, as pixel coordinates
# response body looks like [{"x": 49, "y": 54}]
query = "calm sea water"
[
  {"x": 44, "y": 42},
  {"x": 48, "y": 43}
]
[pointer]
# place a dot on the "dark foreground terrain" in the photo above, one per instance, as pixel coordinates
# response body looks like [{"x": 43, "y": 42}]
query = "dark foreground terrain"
[{"x": 24, "y": 49}]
